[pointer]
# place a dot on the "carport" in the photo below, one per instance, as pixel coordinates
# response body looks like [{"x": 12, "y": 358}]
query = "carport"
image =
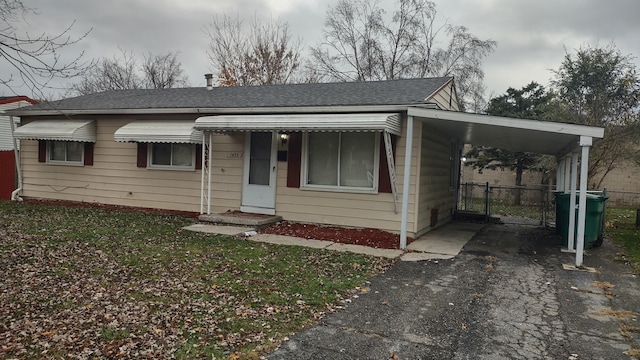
[{"x": 569, "y": 143}]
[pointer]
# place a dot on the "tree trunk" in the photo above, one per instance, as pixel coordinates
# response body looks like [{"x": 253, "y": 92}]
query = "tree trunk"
[{"x": 518, "y": 192}]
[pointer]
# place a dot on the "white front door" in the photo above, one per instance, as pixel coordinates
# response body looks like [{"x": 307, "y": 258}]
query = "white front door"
[{"x": 259, "y": 175}]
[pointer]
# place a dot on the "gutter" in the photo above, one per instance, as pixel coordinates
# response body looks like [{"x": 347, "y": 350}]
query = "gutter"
[
  {"x": 223, "y": 111},
  {"x": 15, "y": 195}
]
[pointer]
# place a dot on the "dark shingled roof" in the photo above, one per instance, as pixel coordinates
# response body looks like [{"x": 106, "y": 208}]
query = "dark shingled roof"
[{"x": 389, "y": 92}]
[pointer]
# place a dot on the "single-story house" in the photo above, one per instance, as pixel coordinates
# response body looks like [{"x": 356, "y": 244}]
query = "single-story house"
[
  {"x": 7, "y": 155},
  {"x": 383, "y": 154}
]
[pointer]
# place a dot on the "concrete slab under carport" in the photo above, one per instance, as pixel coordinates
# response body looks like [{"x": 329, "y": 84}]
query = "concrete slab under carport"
[{"x": 444, "y": 242}]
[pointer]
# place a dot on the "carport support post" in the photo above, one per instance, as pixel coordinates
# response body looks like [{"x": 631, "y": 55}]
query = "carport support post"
[
  {"x": 406, "y": 183},
  {"x": 585, "y": 143},
  {"x": 572, "y": 203}
]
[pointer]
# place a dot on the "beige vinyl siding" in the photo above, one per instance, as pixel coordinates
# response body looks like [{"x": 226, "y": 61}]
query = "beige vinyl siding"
[
  {"x": 446, "y": 98},
  {"x": 434, "y": 191},
  {"x": 6, "y": 140},
  {"x": 115, "y": 178},
  {"x": 349, "y": 209}
]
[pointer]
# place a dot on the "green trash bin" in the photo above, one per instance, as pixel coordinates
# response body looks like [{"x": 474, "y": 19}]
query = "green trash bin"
[
  {"x": 562, "y": 213},
  {"x": 593, "y": 221}
]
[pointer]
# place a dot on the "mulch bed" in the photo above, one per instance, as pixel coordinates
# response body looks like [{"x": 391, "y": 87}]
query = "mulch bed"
[{"x": 358, "y": 236}]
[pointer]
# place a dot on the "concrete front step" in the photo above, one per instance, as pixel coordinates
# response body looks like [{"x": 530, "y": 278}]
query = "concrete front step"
[{"x": 238, "y": 218}]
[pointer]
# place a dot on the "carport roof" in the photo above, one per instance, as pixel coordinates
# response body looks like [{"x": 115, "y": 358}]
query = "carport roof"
[{"x": 543, "y": 137}]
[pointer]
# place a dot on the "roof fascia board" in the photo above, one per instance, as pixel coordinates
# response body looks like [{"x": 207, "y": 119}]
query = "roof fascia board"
[
  {"x": 258, "y": 110},
  {"x": 536, "y": 125}
]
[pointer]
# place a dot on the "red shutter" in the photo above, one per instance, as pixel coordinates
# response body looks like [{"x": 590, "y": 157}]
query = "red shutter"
[
  {"x": 88, "y": 154},
  {"x": 294, "y": 160},
  {"x": 198, "y": 156},
  {"x": 42, "y": 151},
  {"x": 142, "y": 155},
  {"x": 384, "y": 183}
]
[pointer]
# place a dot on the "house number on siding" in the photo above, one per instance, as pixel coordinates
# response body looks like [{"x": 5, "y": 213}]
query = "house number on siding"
[{"x": 234, "y": 155}]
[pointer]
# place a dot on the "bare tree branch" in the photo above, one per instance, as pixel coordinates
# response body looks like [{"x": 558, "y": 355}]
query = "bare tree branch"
[
  {"x": 361, "y": 44},
  {"x": 123, "y": 72},
  {"x": 34, "y": 61},
  {"x": 163, "y": 71},
  {"x": 265, "y": 54}
]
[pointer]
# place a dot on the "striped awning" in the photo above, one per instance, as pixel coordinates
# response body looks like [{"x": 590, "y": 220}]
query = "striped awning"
[
  {"x": 60, "y": 130},
  {"x": 159, "y": 132},
  {"x": 302, "y": 122}
]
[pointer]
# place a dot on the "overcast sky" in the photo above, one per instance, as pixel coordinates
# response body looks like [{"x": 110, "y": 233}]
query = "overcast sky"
[{"x": 531, "y": 35}]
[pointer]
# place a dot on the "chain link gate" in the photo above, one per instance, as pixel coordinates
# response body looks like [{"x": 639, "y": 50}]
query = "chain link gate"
[{"x": 527, "y": 205}]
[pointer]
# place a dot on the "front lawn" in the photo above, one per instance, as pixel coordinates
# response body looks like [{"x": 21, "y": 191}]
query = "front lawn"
[
  {"x": 621, "y": 228},
  {"x": 86, "y": 282}
]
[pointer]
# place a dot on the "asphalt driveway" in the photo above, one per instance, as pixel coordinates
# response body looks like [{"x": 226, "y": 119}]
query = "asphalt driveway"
[{"x": 505, "y": 296}]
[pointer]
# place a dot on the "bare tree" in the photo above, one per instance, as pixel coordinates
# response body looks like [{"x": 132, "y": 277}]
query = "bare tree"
[
  {"x": 34, "y": 61},
  {"x": 163, "y": 71},
  {"x": 263, "y": 54},
  {"x": 123, "y": 72},
  {"x": 362, "y": 44}
]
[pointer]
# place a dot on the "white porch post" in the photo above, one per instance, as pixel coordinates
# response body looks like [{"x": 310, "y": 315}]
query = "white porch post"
[
  {"x": 572, "y": 202},
  {"x": 203, "y": 171},
  {"x": 205, "y": 180},
  {"x": 209, "y": 159},
  {"x": 406, "y": 183},
  {"x": 585, "y": 143}
]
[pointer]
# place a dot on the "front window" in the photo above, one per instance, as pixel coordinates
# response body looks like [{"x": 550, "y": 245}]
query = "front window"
[
  {"x": 172, "y": 156},
  {"x": 65, "y": 152},
  {"x": 346, "y": 160}
]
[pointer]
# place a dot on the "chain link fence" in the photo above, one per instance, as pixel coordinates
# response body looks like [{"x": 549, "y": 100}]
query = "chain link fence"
[
  {"x": 530, "y": 205},
  {"x": 527, "y": 205},
  {"x": 623, "y": 199}
]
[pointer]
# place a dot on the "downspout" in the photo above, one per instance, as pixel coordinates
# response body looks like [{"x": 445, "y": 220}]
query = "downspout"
[
  {"x": 15, "y": 194},
  {"x": 406, "y": 182}
]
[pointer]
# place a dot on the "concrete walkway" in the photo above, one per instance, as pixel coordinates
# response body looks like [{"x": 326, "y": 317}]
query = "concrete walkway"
[{"x": 442, "y": 243}]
